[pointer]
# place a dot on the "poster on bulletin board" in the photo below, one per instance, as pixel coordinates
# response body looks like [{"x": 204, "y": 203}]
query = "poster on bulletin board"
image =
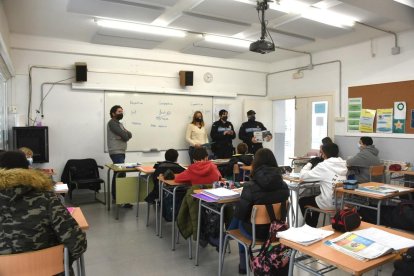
[
  {"x": 400, "y": 110},
  {"x": 354, "y": 113},
  {"x": 384, "y": 120},
  {"x": 366, "y": 121}
]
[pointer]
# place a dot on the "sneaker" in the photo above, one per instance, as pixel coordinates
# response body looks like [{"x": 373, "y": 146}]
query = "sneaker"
[{"x": 126, "y": 205}]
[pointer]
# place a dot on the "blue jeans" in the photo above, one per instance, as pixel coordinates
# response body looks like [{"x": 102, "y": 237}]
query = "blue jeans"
[
  {"x": 238, "y": 224},
  {"x": 116, "y": 159}
]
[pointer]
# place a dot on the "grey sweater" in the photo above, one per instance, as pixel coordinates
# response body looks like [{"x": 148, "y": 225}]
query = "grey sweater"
[
  {"x": 360, "y": 163},
  {"x": 117, "y": 137}
]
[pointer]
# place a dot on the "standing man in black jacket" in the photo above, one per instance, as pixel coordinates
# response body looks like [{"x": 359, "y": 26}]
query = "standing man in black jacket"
[
  {"x": 222, "y": 133},
  {"x": 247, "y": 129}
]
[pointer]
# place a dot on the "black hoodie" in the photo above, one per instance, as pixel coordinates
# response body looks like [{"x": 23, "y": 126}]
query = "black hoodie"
[{"x": 266, "y": 187}]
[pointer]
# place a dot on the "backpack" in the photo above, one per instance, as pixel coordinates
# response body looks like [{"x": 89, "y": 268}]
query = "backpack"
[
  {"x": 272, "y": 259},
  {"x": 405, "y": 266}
]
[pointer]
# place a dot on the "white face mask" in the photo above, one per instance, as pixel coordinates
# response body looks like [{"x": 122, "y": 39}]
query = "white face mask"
[{"x": 30, "y": 160}]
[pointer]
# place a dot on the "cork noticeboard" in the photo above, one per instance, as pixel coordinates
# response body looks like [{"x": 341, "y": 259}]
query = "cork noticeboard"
[{"x": 383, "y": 95}]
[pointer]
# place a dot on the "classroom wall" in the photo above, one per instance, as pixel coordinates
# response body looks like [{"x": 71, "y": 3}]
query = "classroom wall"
[
  {"x": 360, "y": 66},
  {"x": 4, "y": 27},
  {"x": 76, "y": 118}
]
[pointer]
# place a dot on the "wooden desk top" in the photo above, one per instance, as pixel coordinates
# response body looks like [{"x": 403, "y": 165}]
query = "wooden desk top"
[
  {"x": 302, "y": 157},
  {"x": 347, "y": 263},
  {"x": 80, "y": 218},
  {"x": 118, "y": 169},
  {"x": 221, "y": 161},
  {"x": 170, "y": 182},
  {"x": 376, "y": 195},
  {"x": 145, "y": 169}
]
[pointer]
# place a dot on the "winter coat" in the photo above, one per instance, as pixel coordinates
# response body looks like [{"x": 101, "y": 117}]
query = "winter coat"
[
  {"x": 201, "y": 172},
  {"x": 266, "y": 187},
  {"x": 360, "y": 163},
  {"x": 329, "y": 172},
  {"x": 32, "y": 216}
]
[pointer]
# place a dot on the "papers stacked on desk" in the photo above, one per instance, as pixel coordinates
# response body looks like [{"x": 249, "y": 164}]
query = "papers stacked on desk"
[
  {"x": 377, "y": 189},
  {"x": 369, "y": 243},
  {"x": 221, "y": 193},
  {"x": 304, "y": 235},
  {"x": 127, "y": 165},
  {"x": 61, "y": 188}
]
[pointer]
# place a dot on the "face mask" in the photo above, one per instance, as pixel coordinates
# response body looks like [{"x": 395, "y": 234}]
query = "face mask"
[
  {"x": 119, "y": 116},
  {"x": 199, "y": 120},
  {"x": 359, "y": 146},
  {"x": 252, "y": 118},
  {"x": 224, "y": 118},
  {"x": 30, "y": 160}
]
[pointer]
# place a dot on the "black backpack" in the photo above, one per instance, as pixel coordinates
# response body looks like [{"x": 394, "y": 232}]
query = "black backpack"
[{"x": 405, "y": 266}]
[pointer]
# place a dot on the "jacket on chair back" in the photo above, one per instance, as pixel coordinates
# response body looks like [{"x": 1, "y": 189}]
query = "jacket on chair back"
[
  {"x": 32, "y": 216},
  {"x": 266, "y": 187}
]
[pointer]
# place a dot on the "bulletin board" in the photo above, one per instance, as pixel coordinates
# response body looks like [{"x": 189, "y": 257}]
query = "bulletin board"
[{"x": 383, "y": 95}]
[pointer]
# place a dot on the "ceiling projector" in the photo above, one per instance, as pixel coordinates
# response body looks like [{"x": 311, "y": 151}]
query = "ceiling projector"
[{"x": 262, "y": 46}]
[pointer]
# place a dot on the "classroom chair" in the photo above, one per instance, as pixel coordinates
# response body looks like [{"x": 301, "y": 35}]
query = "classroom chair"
[
  {"x": 376, "y": 173},
  {"x": 83, "y": 174},
  {"x": 48, "y": 261},
  {"x": 259, "y": 216},
  {"x": 239, "y": 171}
]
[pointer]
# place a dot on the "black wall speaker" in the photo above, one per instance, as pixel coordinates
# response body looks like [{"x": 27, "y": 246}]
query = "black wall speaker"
[
  {"x": 81, "y": 71},
  {"x": 34, "y": 138},
  {"x": 186, "y": 78}
]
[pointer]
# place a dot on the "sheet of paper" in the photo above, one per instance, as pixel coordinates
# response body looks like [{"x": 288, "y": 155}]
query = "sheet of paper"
[{"x": 394, "y": 241}]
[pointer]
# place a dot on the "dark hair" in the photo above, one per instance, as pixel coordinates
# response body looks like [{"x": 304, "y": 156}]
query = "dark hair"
[
  {"x": 13, "y": 160},
  {"x": 221, "y": 112},
  {"x": 367, "y": 141},
  {"x": 330, "y": 150},
  {"x": 327, "y": 140},
  {"x": 171, "y": 155},
  {"x": 242, "y": 148},
  {"x": 114, "y": 109},
  {"x": 199, "y": 154},
  {"x": 264, "y": 157},
  {"x": 195, "y": 116}
]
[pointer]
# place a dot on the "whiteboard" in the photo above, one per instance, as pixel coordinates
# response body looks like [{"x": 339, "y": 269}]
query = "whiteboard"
[{"x": 158, "y": 121}]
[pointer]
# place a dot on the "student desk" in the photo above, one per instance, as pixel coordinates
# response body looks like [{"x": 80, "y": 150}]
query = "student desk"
[
  {"x": 377, "y": 196},
  {"x": 402, "y": 173},
  {"x": 116, "y": 170},
  {"x": 144, "y": 172},
  {"x": 295, "y": 185},
  {"x": 170, "y": 187},
  {"x": 205, "y": 202},
  {"x": 83, "y": 224},
  {"x": 298, "y": 162},
  {"x": 337, "y": 259}
]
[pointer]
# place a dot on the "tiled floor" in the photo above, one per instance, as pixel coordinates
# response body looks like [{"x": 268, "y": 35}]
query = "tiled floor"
[{"x": 127, "y": 247}]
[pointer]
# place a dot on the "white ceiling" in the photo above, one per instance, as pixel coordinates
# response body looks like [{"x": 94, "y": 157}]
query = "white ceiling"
[{"x": 74, "y": 19}]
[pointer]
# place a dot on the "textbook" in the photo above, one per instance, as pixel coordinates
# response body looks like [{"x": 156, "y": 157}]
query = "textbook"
[
  {"x": 61, "y": 188},
  {"x": 262, "y": 135},
  {"x": 377, "y": 189},
  {"x": 304, "y": 235},
  {"x": 369, "y": 243},
  {"x": 221, "y": 193},
  {"x": 127, "y": 165}
]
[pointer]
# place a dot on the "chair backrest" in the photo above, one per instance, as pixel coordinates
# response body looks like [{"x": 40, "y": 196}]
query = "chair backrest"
[
  {"x": 80, "y": 169},
  {"x": 48, "y": 261},
  {"x": 260, "y": 215},
  {"x": 377, "y": 171}
]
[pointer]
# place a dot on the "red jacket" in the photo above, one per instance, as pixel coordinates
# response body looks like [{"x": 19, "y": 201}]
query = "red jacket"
[{"x": 202, "y": 172}]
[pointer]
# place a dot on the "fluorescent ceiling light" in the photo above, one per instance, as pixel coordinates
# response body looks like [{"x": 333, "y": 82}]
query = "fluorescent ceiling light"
[
  {"x": 291, "y": 6},
  {"x": 328, "y": 17},
  {"x": 406, "y": 2},
  {"x": 227, "y": 41},
  {"x": 141, "y": 28}
]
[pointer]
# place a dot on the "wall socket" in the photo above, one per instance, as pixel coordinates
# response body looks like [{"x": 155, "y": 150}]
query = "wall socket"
[{"x": 12, "y": 109}]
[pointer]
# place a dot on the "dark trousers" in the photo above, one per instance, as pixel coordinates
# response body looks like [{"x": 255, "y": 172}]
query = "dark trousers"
[
  {"x": 312, "y": 217},
  {"x": 116, "y": 159},
  {"x": 191, "y": 153}
]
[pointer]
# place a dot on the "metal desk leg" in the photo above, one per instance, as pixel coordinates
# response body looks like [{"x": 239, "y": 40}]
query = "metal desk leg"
[
  {"x": 139, "y": 184},
  {"x": 379, "y": 212},
  {"x": 190, "y": 248},
  {"x": 108, "y": 185},
  {"x": 292, "y": 262},
  {"x": 82, "y": 265},
  {"x": 173, "y": 221},
  {"x": 297, "y": 208},
  {"x": 161, "y": 203},
  {"x": 198, "y": 232},
  {"x": 148, "y": 205},
  {"x": 78, "y": 267},
  {"x": 221, "y": 236}
]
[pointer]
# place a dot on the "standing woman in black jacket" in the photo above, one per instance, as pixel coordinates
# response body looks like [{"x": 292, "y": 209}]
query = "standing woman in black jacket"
[{"x": 266, "y": 187}]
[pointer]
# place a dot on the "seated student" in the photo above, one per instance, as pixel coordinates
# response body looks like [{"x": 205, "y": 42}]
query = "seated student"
[
  {"x": 170, "y": 163},
  {"x": 265, "y": 187},
  {"x": 31, "y": 215},
  {"x": 318, "y": 159},
  {"x": 329, "y": 172},
  {"x": 243, "y": 157},
  {"x": 202, "y": 171},
  {"x": 365, "y": 158}
]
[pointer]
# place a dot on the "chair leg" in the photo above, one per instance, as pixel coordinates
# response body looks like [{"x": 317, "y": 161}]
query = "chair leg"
[
  {"x": 246, "y": 255},
  {"x": 226, "y": 241},
  {"x": 305, "y": 215},
  {"x": 156, "y": 218},
  {"x": 148, "y": 213}
]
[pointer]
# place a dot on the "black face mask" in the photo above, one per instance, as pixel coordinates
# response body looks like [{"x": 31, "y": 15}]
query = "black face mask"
[
  {"x": 198, "y": 120},
  {"x": 252, "y": 118},
  {"x": 119, "y": 116},
  {"x": 224, "y": 118}
]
